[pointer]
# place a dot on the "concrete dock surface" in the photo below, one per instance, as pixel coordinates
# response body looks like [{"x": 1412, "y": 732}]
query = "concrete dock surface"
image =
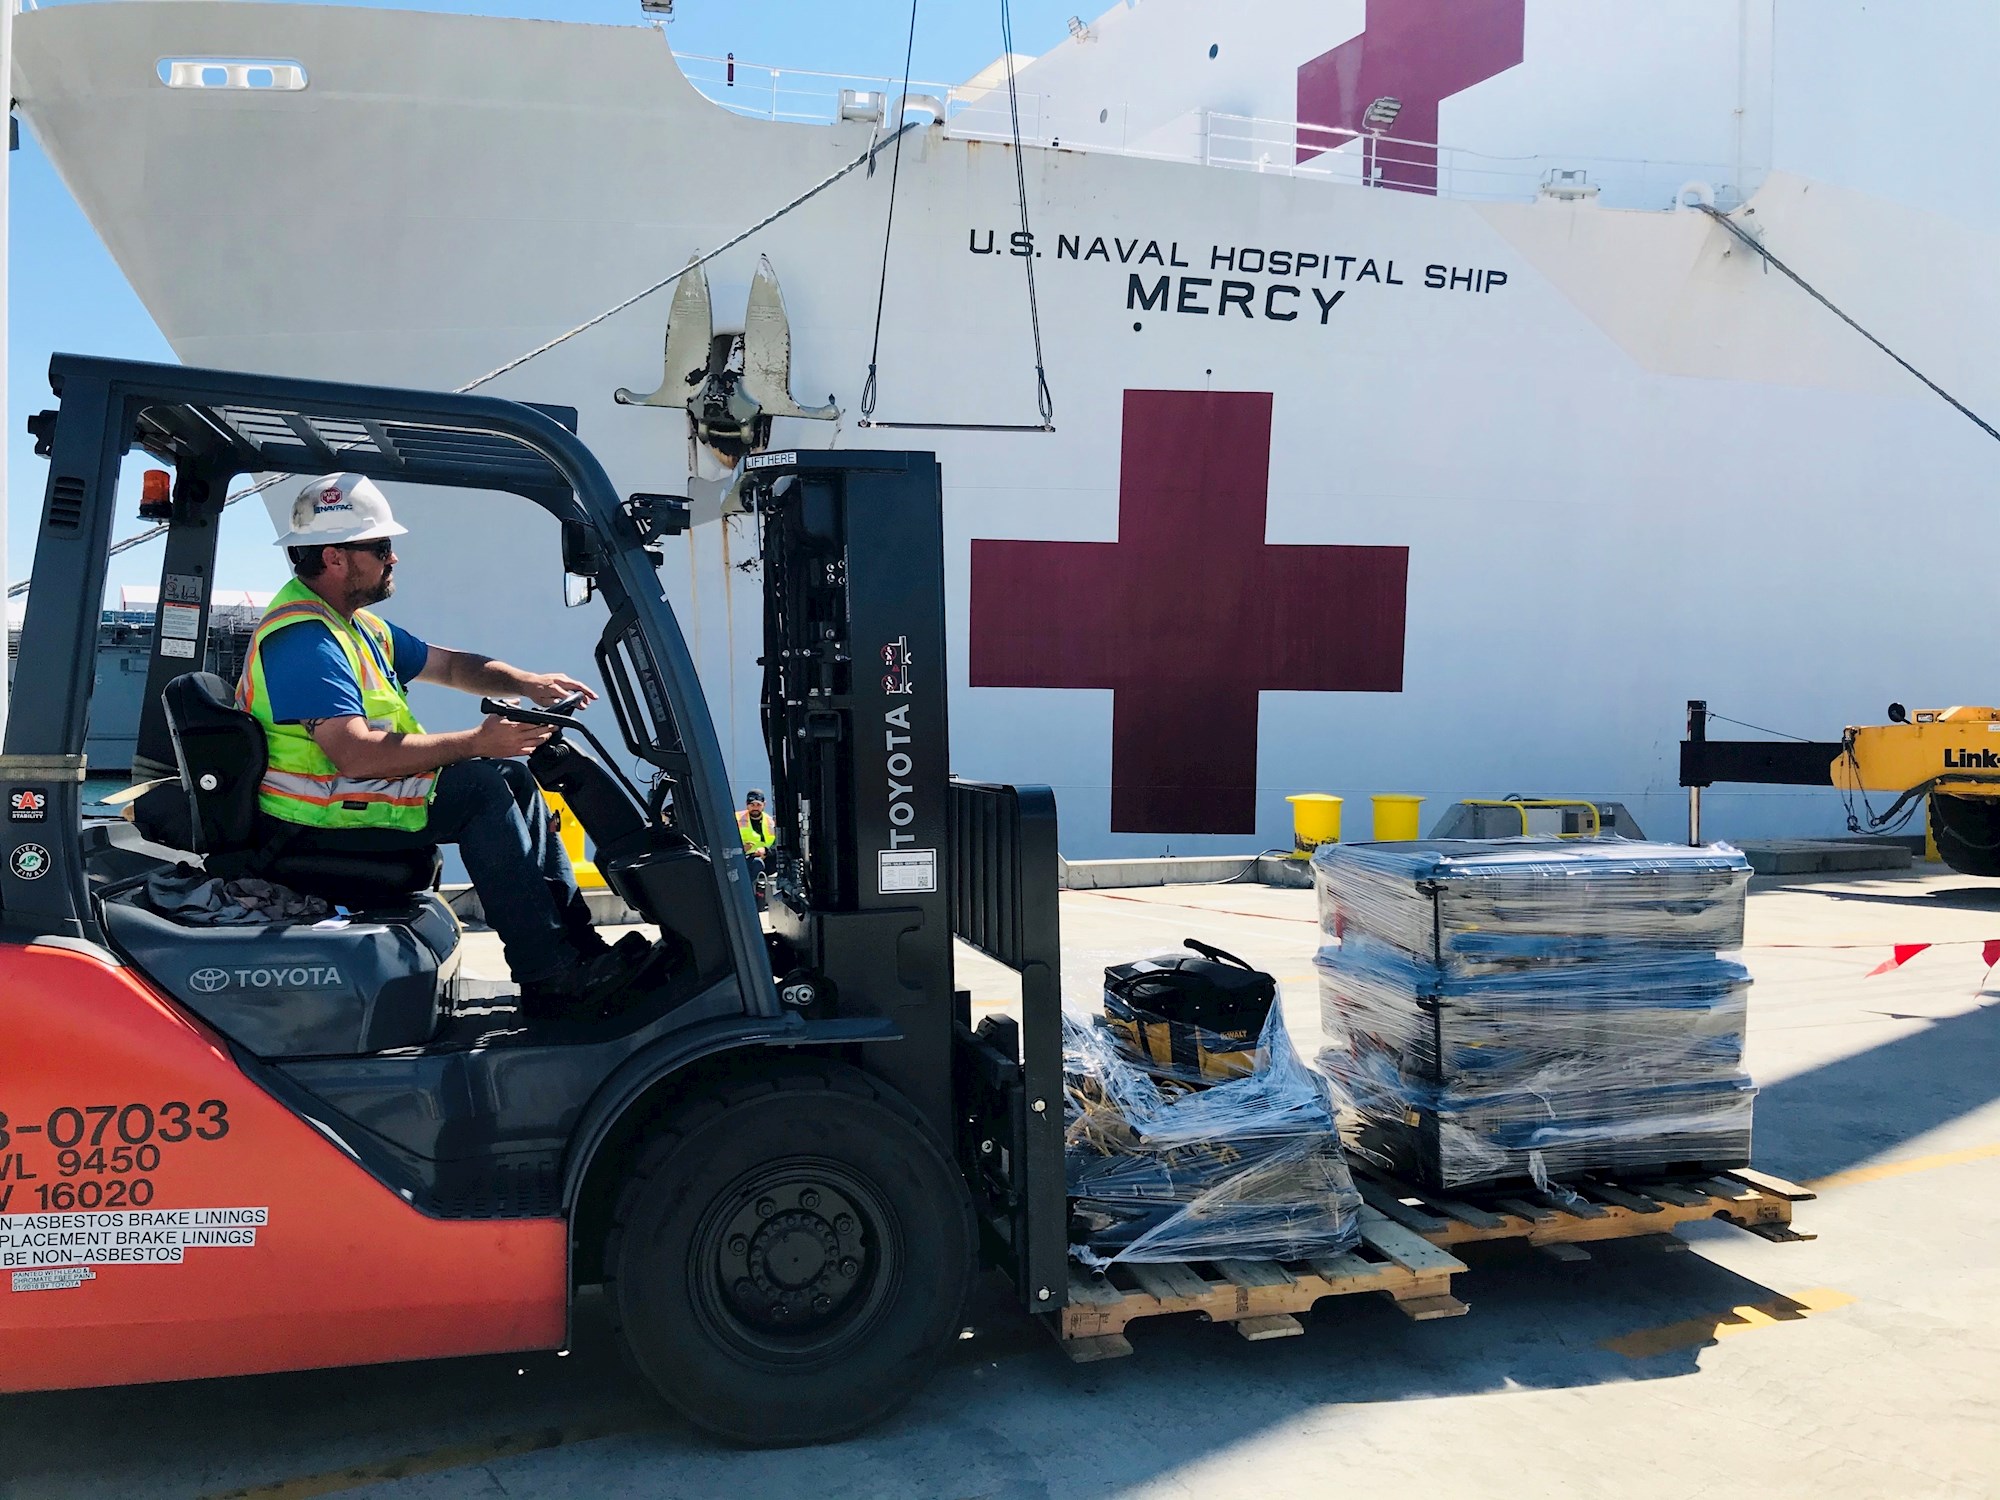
[{"x": 1865, "y": 1362}]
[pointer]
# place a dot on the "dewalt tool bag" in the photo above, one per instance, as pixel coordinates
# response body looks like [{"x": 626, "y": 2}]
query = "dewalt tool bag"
[{"x": 1195, "y": 1017}]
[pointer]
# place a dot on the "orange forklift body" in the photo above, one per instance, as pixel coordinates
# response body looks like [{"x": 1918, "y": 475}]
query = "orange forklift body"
[{"x": 259, "y": 1244}]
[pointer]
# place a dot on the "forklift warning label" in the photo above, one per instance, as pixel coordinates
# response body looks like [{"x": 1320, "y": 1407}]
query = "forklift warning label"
[
  {"x": 180, "y": 628},
  {"x": 904, "y": 870},
  {"x": 128, "y": 1237},
  {"x": 180, "y": 622}
]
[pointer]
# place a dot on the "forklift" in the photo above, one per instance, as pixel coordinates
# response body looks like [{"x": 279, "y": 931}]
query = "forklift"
[{"x": 282, "y": 1146}]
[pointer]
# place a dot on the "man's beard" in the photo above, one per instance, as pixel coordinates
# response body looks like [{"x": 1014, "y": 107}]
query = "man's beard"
[{"x": 384, "y": 587}]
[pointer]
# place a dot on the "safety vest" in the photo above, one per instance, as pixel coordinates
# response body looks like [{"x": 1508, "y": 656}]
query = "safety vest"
[
  {"x": 301, "y": 783},
  {"x": 754, "y": 841}
]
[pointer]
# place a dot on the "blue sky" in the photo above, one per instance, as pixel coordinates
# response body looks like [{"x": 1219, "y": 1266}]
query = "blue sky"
[{"x": 67, "y": 294}]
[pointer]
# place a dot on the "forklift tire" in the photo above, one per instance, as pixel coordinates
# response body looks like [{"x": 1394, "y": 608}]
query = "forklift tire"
[
  {"x": 1967, "y": 832},
  {"x": 790, "y": 1255}
]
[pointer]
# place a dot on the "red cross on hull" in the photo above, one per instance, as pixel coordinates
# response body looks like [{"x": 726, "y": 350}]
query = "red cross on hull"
[
  {"x": 1419, "y": 53},
  {"x": 1190, "y": 614}
]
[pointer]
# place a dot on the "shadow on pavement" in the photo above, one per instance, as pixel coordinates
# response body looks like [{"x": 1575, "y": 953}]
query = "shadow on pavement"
[
  {"x": 1006, "y": 1416},
  {"x": 1960, "y": 897},
  {"x": 1846, "y": 1111}
]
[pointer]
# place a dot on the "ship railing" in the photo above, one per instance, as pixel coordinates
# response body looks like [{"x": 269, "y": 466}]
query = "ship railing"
[
  {"x": 980, "y": 111},
  {"x": 810, "y": 97},
  {"x": 1369, "y": 159}
]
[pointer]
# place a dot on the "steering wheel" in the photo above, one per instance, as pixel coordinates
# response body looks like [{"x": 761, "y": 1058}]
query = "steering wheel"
[
  {"x": 555, "y": 715},
  {"x": 558, "y": 716}
]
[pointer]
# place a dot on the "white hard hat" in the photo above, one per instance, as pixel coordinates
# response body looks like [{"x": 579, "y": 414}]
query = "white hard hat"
[{"x": 339, "y": 508}]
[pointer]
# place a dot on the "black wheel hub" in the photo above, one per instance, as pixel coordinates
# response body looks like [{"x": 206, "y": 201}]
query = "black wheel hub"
[{"x": 793, "y": 1255}]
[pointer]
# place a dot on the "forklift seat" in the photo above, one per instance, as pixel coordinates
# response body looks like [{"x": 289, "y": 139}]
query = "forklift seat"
[{"x": 221, "y": 754}]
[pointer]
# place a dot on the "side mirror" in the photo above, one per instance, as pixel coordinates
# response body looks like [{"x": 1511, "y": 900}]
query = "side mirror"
[
  {"x": 582, "y": 553},
  {"x": 582, "y": 557}
]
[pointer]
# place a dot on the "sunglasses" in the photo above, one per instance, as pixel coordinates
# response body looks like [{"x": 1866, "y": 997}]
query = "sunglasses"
[{"x": 382, "y": 547}]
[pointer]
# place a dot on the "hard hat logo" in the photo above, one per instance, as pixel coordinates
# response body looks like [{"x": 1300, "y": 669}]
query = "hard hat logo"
[{"x": 339, "y": 508}]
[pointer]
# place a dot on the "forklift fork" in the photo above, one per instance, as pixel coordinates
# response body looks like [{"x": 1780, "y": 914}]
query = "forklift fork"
[{"x": 1008, "y": 1076}]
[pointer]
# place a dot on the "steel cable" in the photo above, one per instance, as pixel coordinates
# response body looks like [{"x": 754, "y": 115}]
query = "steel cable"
[
  {"x": 868, "y": 391},
  {"x": 1044, "y": 402},
  {"x": 1811, "y": 291}
]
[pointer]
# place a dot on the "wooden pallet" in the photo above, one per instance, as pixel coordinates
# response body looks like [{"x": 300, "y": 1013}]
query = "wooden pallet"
[
  {"x": 1260, "y": 1299},
  {"x": 1592, "y": 1209},
  {"x": 1407, "y": 1235}
]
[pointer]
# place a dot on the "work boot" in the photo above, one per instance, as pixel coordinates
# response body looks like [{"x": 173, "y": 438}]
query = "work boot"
[
  {"x": 589, "y": 989},
  {"x": 588, "y": 942},
  {"x": 573, "y": 909},
  {"x": 633, "y": 945}
]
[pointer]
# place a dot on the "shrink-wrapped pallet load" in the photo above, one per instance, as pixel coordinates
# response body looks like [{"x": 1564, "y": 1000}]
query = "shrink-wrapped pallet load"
[
  {"x": 1529, "y": 1010},
  {"x": 1165, "y": 1163}
]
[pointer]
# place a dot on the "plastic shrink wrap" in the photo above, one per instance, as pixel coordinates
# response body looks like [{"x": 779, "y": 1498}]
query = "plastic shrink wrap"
[
  {"x": 1166, "y": 1169},
  {"x": 1501, "y": 900},
  {"x": 1535, "y": 1010}
]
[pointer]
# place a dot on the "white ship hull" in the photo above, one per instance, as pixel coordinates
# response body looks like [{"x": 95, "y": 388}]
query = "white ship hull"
[{"x": 1612, "y": 461}]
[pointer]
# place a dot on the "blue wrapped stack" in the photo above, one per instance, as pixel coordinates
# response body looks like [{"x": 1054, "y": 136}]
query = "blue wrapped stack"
[{"x": 1530, "y": 1009}]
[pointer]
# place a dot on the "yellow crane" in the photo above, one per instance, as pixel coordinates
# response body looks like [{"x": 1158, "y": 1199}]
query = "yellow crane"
[
  {"x": 1946, "y": 759},
  {"x": 1950, "y": 757}
]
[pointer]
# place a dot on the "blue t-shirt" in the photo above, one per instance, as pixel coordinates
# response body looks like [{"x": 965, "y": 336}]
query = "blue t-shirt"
[{"x": 307, "y": 675}]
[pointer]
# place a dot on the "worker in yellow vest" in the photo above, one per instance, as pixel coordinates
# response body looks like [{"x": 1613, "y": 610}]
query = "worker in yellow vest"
[
  {"x": 755, "y": 829},
  {"x": 753, "y": 824},
  {"x": 328, "y": 680}
]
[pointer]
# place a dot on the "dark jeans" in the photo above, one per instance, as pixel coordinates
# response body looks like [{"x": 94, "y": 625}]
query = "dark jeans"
[{"x": 494, "y": 812}]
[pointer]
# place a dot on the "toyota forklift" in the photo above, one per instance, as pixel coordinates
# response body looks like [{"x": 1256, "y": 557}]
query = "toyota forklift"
[{"x": 227, "y": 1150}]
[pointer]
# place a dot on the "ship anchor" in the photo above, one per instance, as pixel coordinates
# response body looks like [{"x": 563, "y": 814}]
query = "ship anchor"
[{"x": 730, "y": 384}]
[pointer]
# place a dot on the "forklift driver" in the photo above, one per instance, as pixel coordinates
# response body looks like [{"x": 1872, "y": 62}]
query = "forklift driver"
[{"x": 327, "y": 680}]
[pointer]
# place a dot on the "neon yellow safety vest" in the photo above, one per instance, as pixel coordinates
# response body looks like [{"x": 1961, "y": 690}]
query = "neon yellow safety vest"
[
  {"x": 755, "y": 842},
  {"x": 301, "y": 783}
]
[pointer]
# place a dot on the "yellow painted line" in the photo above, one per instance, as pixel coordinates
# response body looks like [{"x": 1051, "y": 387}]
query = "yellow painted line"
[
  {"x": 436, "y": 1461},
  {"x": 1858, "y": 1175},
  {"x": 1695, "y": 1332}
]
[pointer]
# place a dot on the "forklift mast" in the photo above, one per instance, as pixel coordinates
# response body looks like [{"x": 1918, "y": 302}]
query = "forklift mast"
[
  {"x": 854, "y": 723},
  {"x": 882, "y": 857}
]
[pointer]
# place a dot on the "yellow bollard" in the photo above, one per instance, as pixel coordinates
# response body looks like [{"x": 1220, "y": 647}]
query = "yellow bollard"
[
  {"x": 1315, "y": 821},
  {"x": 1396, "y": 816},
  {"x": 570, "y": 831}
]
